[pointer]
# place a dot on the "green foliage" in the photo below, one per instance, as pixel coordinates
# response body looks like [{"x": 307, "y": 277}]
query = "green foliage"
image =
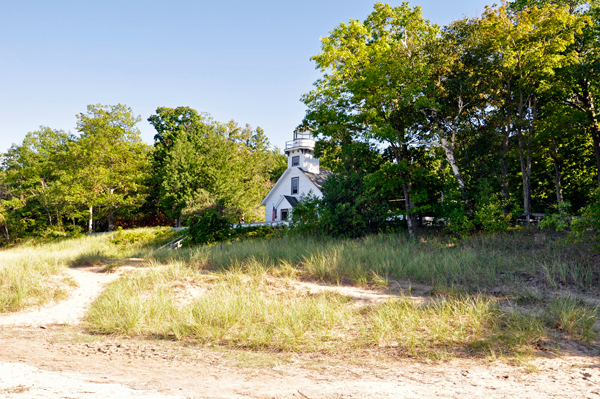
[
  {"x": 490, "y": 213},
  {"x": 109, "y": 162},
  {"x": 210, "y": 226},
  {"x": 587, "y": 227},
  {"x": 198, "y": 162},
  {"x": 305, "y": 217},
  {"x": 253, "y": 232},
  {"x": 141, "y": 236},
  {"x": 558, "y": 221}
]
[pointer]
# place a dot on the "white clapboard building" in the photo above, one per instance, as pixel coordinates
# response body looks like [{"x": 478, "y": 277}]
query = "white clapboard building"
[{"x": 302, "y": 176}]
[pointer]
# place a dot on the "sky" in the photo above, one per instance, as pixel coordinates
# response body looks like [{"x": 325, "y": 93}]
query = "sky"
[{"x": 242, "y": 60}]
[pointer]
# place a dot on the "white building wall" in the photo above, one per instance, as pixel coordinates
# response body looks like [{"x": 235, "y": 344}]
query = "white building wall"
[
  {"x": 307, "y": 161},
  {"x": 285, "y": 188}
]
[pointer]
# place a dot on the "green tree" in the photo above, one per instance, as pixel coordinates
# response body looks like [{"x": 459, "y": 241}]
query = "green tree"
[
  {"x": 207, "y": 162},
  {"x": 31, "y": 179},
  {"x": 376, "y": 79},
  {"x": 108, "y": 162},
  {"x": 529, "y": 45}
]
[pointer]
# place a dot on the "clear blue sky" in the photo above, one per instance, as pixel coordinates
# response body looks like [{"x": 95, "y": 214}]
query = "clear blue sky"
[{"x": 242, "y": 60}]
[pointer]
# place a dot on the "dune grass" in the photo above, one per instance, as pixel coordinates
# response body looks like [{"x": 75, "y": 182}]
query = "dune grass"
[
  {"x": 251, "y": 309},
  {"x": 491, "y": 295},
  {"x": 32, "y": 273},
  {"x": 476, "y": 263}
]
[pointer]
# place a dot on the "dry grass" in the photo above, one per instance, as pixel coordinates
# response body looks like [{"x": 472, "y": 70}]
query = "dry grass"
[
  {"x": 491, "y": 293},
  {"x": 249, "y": 308},
  {"x": 31, "y": 274}
]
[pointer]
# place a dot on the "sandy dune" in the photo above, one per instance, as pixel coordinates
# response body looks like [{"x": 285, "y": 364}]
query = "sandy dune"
[{"x": 59, "y": 361}]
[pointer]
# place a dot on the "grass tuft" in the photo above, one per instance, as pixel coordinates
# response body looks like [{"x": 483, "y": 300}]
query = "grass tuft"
[{"x": 574, "y": 317}]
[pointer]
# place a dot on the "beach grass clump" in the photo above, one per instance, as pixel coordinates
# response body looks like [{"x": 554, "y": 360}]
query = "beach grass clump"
[
  {"x": 236, "y": 308},
  {"x": 574, "y": 317}
]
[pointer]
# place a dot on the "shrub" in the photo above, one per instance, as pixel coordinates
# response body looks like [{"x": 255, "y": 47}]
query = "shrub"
[
  {"x": 209, "y": 227},
  {"x": 558, "y": 221},
  {"x": 140, "y": 236},
  {"x": 253, "y": 232},
  {"x": 587, "y": 227},
  {"x": 574, "y": 317}
]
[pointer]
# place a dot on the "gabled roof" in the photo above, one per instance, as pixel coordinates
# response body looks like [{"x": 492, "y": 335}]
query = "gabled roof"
[
  {"x": 318, "y": 179},
  {"x": 277, "y": 183},
  {"x": 292, "y": 200}
]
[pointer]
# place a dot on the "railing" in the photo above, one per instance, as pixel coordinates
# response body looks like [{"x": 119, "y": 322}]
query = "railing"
[
  {"x": 175, "y": 244},
  {"x": 303, "y": 142},
  {"x": 269, "y": 224}
]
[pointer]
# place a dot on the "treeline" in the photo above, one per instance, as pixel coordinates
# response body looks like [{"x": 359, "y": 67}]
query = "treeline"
[
  {"x": 57, "y": 183},
  {"x": 478, "y": 122}
]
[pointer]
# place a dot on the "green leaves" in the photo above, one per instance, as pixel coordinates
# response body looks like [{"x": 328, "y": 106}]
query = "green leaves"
[{"x": 199, "y": 162}]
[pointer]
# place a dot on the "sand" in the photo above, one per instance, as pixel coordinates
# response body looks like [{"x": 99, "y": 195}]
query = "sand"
[{"x": 44, "y": 353}]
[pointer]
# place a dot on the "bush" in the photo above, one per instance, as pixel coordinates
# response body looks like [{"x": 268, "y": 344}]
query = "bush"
[
  {"x": 558, "y": 221},
  {"x": 209, "y": 227},
  {"x": 587, "y": 227},
  {"x": 305, "y": 217},
  {"x": 488, "y": 216},
  {"x": 141, "y": 237},
  {"x": 249, "y": 232}
]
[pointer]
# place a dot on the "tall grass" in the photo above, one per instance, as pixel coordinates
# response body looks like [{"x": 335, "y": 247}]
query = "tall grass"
[
  {"x": 240, "y": 309},
  {"x": 32, "y": 274},
  {"x": 477, "y": 263},
  {"x": 574, "y": 317},
  {"x": 250, "y": 309}
]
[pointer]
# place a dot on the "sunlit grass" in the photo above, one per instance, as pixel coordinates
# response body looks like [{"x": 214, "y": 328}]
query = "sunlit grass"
[
  {"x": 33, "y": 273},
  {"x": 244, "y": 299},
  {"x": 251, "y": 309}
]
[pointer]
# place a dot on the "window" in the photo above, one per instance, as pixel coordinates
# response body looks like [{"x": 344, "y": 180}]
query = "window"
[
  {"x": 284, "y": 214},
  {"x": 294, "y": 185},
  {"x": 296, "y": 161}
]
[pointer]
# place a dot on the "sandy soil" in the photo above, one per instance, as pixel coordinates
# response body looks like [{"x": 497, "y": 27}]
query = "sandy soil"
[
  {"x": 59, "y": 361},
  {"x": 90, "y": 282}
]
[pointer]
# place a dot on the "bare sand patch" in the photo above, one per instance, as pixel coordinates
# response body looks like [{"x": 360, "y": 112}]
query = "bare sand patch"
[
  {"x": 89, "y": 284},
  {"x": 59, "y": 364}
]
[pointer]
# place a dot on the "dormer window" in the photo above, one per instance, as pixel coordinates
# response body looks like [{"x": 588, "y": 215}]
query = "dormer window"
[
  {"x": 296, "y": 160},
  {"x": 294, "y": 185}
]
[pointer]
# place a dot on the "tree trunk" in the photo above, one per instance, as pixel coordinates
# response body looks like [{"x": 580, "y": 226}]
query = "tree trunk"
[
  {"x": 504, "y": 161},
  {"x": 525, "y": 159},
  {"x": 91, "y": 221},
  {"x": 449, "y": 150},
  {"x": 557, "y": 175},
  {"x": 111, "y": 214},
  {"x": 6, "y": 233},
  {"x": 587, "y": 99},
  {"x": 111, "y": 220},
  {"x": 407, "y": 189}
]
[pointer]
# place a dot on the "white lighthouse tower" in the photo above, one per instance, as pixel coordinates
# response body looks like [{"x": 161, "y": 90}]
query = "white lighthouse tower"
[{"x": 303, "y": 175}]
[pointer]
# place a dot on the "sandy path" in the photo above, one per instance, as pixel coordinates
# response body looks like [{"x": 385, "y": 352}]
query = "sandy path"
[
  {"x": 58, "y": 365},
  {"x": 24, "y": 382},
  {"x": 90, "y": 283}
]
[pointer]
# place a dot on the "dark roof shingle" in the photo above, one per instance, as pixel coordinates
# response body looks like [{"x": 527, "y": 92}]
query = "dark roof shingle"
[
  {"x": 292, "y": 200},
  {"x": 317, "y": 179}
]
